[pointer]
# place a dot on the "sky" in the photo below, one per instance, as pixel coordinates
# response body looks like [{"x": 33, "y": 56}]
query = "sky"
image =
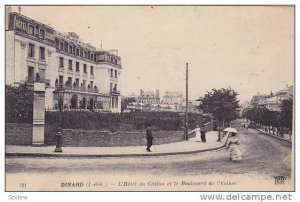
[{"x": 249, "y": 49}]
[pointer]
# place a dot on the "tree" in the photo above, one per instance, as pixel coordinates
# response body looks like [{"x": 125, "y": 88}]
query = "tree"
[
  {"x": 287, "y": 113},
  {"x": 222, "y": 104},
  {"x": 18, "y": 103},
  {"x": 74, "y": 101},
  {"x": 125, "y": 102}
]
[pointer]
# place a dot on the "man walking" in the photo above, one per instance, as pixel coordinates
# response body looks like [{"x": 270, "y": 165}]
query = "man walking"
[{"x": 149, "y": 138}]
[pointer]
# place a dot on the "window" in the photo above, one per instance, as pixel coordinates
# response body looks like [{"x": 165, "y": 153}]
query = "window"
[
  {"x": 84, "y": 84},
  {"x": 112, "y": 102},
  {"x": 61, "y": 62},
  {"x": 111, "y": 60},
  {"x": 61, "y": 46},
  {"x": 42, "y": 34},
  {"x": 116, "y": 61},
  {"x": 69, "y": 81},
  {"x": 84, "y": 68},
  {"x": 92, "y": 70},
  {"x": 71, "y": 49},
  {"x": 31, "y": 50},
  {"x": 42, "y": 53},
  {"x": 115, "y": 88},
  {"x": 92, "y": 57},
  {"x": 111, "y": 87},
  {"x": 111, "y": 73},
  {"x": 70, "y": 65},
  {"x": 30, "y": 75},
  {"x": 77, "y": 82},
  {"x": 116, "y": 73},
  {"x": 42, "y": 73},
  {"x": 77, "y": 51},
  {"x": 81, "y": 52},
  {"x": 116, "y": 102},
  {"x": 61, "y": 80},
  {"x": 31, "y": 30},
  {"x": 85, "y": 54},
  {"x": 77, "y": 66},
  {"x": 92, "y": 84}
]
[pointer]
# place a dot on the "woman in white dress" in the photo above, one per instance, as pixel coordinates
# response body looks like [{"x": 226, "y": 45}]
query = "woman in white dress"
[
  {"x": 197, "y": 131},
  {"x": 234, "y": 151}
]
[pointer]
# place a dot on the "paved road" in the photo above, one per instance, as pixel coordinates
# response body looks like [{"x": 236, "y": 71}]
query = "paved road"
[{"x": 262, "y": 155}]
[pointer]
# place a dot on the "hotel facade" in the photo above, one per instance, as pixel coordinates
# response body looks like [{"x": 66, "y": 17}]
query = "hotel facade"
[{"x": 88, "y": 76}]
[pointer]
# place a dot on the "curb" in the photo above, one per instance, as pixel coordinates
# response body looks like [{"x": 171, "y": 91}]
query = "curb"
[
  {"x": 62, "y": 155},
  {"x": 279, "y": 138}
]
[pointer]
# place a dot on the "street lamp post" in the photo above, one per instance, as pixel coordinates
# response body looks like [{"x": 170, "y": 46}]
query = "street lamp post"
[{"x": 60, "y": 92}]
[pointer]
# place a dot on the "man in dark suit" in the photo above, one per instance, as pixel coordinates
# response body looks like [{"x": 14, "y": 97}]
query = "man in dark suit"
[{"x": 149, "y": 138}]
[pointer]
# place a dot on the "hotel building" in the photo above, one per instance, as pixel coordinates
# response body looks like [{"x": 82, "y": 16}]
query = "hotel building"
[{"x": 37, "y": 52}]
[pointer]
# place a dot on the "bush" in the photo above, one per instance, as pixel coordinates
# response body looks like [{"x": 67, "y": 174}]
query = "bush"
[
  {"x": 134, "y": 121},
  {"x": 18, "y": 103}
]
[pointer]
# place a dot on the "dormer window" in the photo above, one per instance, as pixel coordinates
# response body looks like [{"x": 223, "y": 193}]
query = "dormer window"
[
  {"x": 70, "y": 49},
  {"x": 61, "y": 46},
  {"x": 42, "y": 34},
  {"x": 31, "y": 30}
]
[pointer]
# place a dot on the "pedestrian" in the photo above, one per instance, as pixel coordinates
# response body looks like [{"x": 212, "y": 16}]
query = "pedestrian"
[
  {"x": 197, "y": 131},
  {"x": 149, "y": 138},
  {"x": 234, "y": 151},
  {"x": 215, "y": 127},
  {"x": 203, "y": 133}
]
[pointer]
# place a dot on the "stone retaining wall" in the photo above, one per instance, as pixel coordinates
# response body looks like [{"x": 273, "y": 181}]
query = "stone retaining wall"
[
  {"x": 21, "y": 134},
  {"x": 18, "y": 133},
  {"x": 84, "y": 138}
]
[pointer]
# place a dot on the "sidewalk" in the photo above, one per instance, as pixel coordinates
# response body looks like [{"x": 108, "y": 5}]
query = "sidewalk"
[
  {"x": 285, "y": 138},
  {"x": 184, "y": 147}
]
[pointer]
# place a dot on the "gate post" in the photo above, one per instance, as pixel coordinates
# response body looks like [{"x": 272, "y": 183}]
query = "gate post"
[{"x": 38, "y": 114}]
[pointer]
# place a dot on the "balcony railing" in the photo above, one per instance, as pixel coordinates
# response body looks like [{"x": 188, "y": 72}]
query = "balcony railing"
[
  {"x": 114, "y": 91},
  {"x": 31, "y": 80},
  {"x": 80, "y": 89}
]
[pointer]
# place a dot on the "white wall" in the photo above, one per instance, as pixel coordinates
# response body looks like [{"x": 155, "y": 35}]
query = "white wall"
[{"x": 9, "y": 56}]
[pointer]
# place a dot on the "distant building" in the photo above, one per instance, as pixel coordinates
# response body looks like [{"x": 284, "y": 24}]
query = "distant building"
[
  {"x": 273, "y": 101},
  {"x": 172, "y": 98},
  {"x": 258, "y": 99},
  {"x": 192, "y": 106},
  {"x": 149, "y": 97}
]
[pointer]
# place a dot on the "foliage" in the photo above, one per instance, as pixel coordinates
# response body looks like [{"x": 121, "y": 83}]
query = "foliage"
[
  {"x": 133, "y": 121},
  {"x": 18, "y": 103},
  {"x": 222, "y": 104},
  {"x": 266, "y": 117},
  {"x": 287, "y": 113},
  {"x": 125, "y": 102},
  {"x": 74, "y": 101}
]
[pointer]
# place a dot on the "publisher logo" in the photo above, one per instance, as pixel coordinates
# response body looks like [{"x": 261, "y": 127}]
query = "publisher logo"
[{"x": 280, "y": 180}]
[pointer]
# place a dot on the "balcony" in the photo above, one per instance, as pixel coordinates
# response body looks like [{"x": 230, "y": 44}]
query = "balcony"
[
  {"x": 77, "y": 73},
  {"x": 70, "y": 72},
  {"x": 115, "y": 92},
  {"x": 79, "y": 89},
  {"x": 31, "y": 80}
]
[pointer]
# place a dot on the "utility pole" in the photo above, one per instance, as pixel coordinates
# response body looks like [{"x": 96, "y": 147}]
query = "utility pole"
[{"x": 186, "y": 101}]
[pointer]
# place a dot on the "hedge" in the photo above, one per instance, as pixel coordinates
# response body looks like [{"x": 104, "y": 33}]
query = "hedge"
[{"x": 134, "y": 121}]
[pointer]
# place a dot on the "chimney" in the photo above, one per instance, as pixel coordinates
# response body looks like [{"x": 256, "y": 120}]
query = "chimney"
[
  {"x": 157, "y": 92},
  {"x": 8, "y": 10},
  {"x": 272, "y": 94}
]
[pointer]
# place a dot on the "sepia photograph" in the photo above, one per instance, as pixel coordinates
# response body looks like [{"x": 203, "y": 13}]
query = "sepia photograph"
[{"x": 184, "y": 98}]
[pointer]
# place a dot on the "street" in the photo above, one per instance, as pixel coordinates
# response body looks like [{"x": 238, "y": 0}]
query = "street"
[{"x": 262, "y": 155}]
